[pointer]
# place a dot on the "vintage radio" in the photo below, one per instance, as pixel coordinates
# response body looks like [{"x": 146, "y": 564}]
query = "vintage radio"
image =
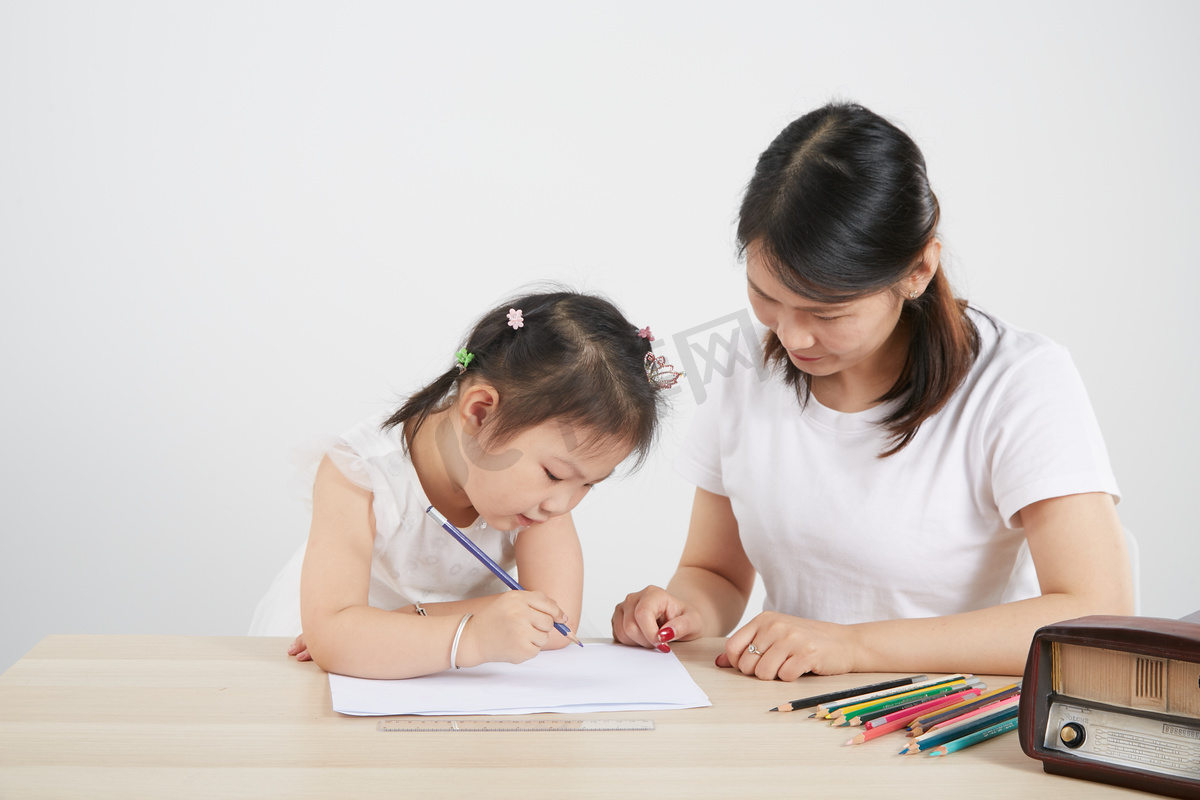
[{"x": 1117, "y": 700}]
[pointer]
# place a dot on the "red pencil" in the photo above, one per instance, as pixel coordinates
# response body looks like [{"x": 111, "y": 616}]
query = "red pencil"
[
  {"x": 873, "y": 730},
  {"x": 924, "y": 708}
]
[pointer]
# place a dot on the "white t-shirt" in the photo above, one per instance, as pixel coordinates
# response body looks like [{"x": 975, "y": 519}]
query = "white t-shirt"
[
  {"x": 413, "y": 558},
  {"x": 841, "y": 535}
]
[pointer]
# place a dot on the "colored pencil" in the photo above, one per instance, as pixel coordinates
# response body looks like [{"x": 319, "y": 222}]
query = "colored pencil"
[
  {"x": 835, "y": 705},
  {"x": 893, "y": 701},
  {"x": 975, "y": 738},
  {"x": 856, "y": 718},
  {"x": 983, "y": 711},
  {"x": 829, "y": 697},
  {"x": 879, "y": 730},
  {"x": 937, "y": 738},
  {"x": 927, "y": 707},
  {"x": 486, "y": 560},
  {"x": 902, "y": 718},
  {"x": 863, "y": 718},
  {"x": 923, "y": 724}
]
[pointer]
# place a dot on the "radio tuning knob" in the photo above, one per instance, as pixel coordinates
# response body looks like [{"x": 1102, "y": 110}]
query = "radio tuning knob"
[{"x": 1072, "y": 734}]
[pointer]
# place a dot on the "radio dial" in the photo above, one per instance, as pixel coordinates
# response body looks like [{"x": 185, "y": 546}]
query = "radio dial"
[{"x": 1072, "y": 734}]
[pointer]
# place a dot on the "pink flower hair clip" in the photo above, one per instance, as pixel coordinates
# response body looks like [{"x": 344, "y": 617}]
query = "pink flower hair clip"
[
  {"x": 661, "y": 374},
  {"x": 515, "y": 320},
  {"x": 646, "y": 334}
]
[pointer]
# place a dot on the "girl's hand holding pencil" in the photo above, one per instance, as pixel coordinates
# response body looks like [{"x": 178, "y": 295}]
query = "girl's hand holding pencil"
[{"x": 514, "y": 627}]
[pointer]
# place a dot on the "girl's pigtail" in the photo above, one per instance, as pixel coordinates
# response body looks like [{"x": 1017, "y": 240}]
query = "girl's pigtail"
[{"x": 422, "y": 403}]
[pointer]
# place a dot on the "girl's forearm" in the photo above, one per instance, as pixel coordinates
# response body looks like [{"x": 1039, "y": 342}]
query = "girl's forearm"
[
  {"x": 450, "y": 607},
  {"x": 372, "y": 643}
]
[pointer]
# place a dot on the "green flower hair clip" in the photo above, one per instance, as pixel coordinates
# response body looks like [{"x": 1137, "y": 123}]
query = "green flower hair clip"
[{"x": 464, "y": 359}]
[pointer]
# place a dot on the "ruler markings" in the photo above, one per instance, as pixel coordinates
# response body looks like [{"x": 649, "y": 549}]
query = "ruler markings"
[{"x": 513, "y": 725}]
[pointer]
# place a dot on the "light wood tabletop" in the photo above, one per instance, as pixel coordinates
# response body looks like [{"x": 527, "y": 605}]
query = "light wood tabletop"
[{"x": 182, "y": 717}]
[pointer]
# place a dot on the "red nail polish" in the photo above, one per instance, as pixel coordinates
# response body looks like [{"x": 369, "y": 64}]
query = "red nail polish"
[
  {"x": 663, "y": 648},
  {"x": 666, "y": 634}
]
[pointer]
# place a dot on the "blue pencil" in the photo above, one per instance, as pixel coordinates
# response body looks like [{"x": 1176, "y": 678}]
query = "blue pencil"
[
  {"x": 486, "y": 560},
  {"x": 974, "y": 738},
  {"x": 971, "y": 726}
]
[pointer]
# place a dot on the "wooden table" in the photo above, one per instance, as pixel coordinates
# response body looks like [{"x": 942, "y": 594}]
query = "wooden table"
[{"x": 181, "y": 717}]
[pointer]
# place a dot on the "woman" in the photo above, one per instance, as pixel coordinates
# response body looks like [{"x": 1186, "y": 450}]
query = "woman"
[{"x": 884, "y": 479}]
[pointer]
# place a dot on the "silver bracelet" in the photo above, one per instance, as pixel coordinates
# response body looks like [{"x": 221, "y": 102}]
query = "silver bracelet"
[
  {"x": 457, "y": 635},
  {"x": 420, "y": 610}
]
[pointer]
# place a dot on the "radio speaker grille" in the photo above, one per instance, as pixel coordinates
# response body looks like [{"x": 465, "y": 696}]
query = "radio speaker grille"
[{"x": 1149, "y": 683}]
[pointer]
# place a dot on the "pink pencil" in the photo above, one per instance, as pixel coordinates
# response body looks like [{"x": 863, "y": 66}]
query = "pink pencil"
[
  {"x": 989, "y": 708},
  {"x": 935, "y": 703},
  {"x": 902, "y": 718}
]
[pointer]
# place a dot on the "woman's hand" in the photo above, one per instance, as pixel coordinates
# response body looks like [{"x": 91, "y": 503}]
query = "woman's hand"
[
  {"x": 653, "y": 617},
  {"x": 788, "y": 647},
  {"x": 514, "y": 627},
  {"x": 708, "y": 593},
  {"x": 299, "y": 649}
]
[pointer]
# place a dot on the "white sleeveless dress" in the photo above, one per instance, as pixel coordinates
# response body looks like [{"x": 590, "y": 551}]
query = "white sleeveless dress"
[{"x": 414, "y": 559}]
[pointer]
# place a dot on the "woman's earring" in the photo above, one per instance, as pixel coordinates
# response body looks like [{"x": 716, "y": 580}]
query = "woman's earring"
[{"x": 913, "y": 294}]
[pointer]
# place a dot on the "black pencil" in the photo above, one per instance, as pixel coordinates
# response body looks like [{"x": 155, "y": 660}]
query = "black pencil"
[{"x": 816, "y": 700}]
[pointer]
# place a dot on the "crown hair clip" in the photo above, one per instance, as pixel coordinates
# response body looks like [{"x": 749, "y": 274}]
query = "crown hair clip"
[{"x": 661, "y": 374}]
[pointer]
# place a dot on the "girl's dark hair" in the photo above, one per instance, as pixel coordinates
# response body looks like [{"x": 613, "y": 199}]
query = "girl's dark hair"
[
  {"x": 576, "y": 359},
  {"x": 839, "y": 208}
]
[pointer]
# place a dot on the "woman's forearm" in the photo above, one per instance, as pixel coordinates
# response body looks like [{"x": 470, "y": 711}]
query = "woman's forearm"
[{"x": 988, "y": 641}]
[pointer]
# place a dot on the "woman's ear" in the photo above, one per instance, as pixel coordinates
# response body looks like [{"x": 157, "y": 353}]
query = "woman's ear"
[
  {"x": 477, "y": 402},
  {"x": 931, "y": 260}
]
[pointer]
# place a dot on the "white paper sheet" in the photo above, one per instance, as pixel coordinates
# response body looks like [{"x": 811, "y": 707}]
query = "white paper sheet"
[{"x": 573, "y": 680}]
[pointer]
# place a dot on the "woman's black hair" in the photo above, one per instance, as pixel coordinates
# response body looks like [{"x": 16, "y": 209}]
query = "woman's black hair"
[
  {"x": 575, "y": 359},
  {"x": 840, "y": 207}
]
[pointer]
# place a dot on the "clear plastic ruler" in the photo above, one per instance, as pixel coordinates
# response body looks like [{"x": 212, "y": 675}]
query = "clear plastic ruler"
[{"x": 514, "y": 725}]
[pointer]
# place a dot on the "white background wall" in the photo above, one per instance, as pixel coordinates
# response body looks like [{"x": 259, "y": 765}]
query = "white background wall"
[{"x": 227, "y": 229}]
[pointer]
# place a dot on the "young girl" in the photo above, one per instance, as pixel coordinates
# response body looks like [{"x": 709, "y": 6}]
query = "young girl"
[
  {"x": 548, "y": 395},
  {"x": 906, "y": 450}
]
